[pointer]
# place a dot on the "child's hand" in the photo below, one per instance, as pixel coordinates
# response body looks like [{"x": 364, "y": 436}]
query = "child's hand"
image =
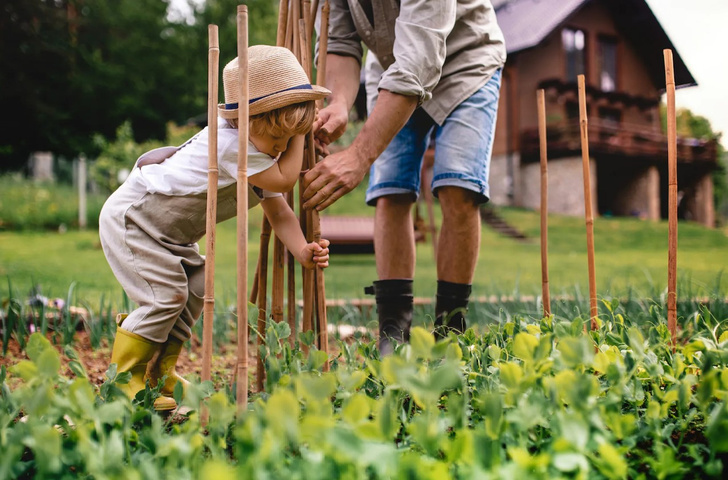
[{"x": 315, "y": 254}]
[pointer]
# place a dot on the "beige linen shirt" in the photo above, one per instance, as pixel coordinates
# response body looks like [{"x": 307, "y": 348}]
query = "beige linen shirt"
[{"x": 441, "y": 51}]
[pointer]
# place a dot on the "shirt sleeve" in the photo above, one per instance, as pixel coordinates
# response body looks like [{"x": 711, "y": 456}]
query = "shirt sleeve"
[
  {"x": 257, "y": 161},
  {"x": 343, "y": 37},
  {"x": 419, "y": 47}
]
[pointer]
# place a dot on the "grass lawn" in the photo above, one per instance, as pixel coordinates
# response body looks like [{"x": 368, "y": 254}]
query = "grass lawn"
[{"x": 631, "y": 256}]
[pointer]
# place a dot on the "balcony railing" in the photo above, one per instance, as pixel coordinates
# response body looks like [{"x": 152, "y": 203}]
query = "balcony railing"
[{"x": 608, "y": 138}]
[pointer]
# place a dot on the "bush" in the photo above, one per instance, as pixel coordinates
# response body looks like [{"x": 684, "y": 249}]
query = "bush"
[
  {"x": 117, "y": 157},
  {"x": 28, "y": 205}
]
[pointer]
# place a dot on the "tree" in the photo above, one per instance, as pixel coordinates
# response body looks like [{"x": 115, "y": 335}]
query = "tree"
[{"x": 73, "y": 69}]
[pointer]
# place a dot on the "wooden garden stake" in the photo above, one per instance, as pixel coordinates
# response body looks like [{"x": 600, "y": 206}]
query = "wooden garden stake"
[
  {"x": 282, "y": 22},
  {"x": 323, "y": 46},
  {"x": 213, "y": 65},
  {"x": 262, "y": 302},
  {"x": 540, "y": 100},
  {"x": 242, "y": 210},
  {"x": 588, "y": 203},
  {"x": 307, "y": 218},
  {"x": 672, "y": 198}
]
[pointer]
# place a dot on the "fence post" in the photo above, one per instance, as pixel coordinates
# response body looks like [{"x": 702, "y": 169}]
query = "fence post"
[{"x": 82, "y": 192}]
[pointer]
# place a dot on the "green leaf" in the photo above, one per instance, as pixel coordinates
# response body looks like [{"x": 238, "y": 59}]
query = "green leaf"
[
  {"x": 421, "y": 342},
  {"x": 615, "y": 463},
  {"x": 524, "y": 346},
  {"x": 510, "y": 374},
  {"x": 37, "y": 344},
  {"x": 356, "y": 409},
  {"x": 575, "y": 351}
]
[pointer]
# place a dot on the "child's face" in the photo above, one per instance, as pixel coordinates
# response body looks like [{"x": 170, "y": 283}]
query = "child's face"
[{"x": 269, "y": 144}]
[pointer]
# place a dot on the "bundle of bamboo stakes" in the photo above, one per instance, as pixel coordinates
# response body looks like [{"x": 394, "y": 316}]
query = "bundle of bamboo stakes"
[
  {"x": 589, "y": 218},
  {"x": 295, "y": 32}
]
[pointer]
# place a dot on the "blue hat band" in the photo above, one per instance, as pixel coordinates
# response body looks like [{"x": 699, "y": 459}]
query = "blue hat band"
[{"x": 233, "y": 106}]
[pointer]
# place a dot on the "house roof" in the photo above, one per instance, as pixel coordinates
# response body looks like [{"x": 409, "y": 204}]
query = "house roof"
[{"x": 527, "y": 23}]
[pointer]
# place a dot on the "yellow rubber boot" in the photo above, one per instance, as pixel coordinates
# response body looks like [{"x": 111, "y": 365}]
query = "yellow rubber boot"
[
  {"x": 132, "y": 353},
  {"x": 165, "y": 365}
]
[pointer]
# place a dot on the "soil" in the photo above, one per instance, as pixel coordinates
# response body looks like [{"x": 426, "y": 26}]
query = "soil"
[{"x": 96, "y": 360}]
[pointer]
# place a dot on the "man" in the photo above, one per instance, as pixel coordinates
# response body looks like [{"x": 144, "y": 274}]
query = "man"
[{"x": 441, "y": 62}]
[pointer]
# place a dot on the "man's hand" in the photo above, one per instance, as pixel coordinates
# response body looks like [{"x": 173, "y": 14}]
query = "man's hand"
[
  {"x": 332, "y": 178},
  {"x": 315, "y": 255},
  {"x": 330, "y": 123}
]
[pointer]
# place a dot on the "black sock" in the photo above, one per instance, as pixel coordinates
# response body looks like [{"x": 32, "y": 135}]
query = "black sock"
[{"x": 451, "y": 307}]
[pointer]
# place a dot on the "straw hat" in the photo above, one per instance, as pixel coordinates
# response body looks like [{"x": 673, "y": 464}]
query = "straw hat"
[{"x": 275, "y": 80}]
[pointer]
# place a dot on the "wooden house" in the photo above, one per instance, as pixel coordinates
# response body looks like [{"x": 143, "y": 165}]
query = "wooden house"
[{"x": 618, "y": 46}]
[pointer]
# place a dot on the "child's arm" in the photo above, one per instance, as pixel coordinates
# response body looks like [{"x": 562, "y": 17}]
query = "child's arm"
[
  {"x": 286, "y": 227},
  {"x": 282, "y": 176}
]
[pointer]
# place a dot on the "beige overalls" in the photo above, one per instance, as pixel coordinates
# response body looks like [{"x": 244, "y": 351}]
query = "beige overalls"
[{"x": 150, "y": 241}]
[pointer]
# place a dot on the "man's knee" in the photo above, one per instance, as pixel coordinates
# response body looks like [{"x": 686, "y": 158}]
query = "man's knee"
[
  {"x": 399, "y": 202},
  {"x": 458, "y": 202}
]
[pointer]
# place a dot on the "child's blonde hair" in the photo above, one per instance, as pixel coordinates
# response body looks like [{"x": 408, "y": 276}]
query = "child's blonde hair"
[{"x": 295, "y": 119}]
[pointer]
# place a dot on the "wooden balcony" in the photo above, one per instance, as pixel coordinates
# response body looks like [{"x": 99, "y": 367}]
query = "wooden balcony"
[{"x": 609, "y": 139}]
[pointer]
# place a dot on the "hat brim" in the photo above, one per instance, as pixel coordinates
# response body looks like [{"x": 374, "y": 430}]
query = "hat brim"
[{"x": 278, "y": 100}]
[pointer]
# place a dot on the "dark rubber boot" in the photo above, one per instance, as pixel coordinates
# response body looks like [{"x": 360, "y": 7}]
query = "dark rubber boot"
[
  {"x": 394, "y": 307},
  {"x": 451, "y": 307}
]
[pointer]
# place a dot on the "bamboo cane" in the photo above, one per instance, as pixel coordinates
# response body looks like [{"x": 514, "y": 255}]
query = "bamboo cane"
[
  {"x": 312, "y": 19},
  {"x": 672, "y": 198},
  {"x": 262, "y": 297},
  {"x": 289, "y": 28},
  {"x": 323, "y": 46},
  {"x": 291, "y": 285},
  {"x": 588, "y": 204},
  {"x": 296, "y": 28},
  {"x": 213, "y": 65},
  {"x": 540, "y": 100},
  {"x": 321, "y": 313},
  {"x": 282, "y": 22},
  {"x": 242, "y": 210},
  {"x": 307, "y": 23},
  {"x": 307, "y": 216},
  {"x": 279, "y": 255}
]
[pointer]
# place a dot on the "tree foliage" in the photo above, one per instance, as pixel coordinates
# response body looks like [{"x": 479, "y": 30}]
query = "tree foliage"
[{"x": 71, "y": 70}]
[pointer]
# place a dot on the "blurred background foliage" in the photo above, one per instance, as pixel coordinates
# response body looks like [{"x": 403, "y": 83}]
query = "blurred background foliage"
[{"x": 73, "y": 72}]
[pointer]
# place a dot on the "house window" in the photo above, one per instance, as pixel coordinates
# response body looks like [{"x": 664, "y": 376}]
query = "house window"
[
  {"x": 575, "y": 48},
  {"x": 608, "y": 67}
]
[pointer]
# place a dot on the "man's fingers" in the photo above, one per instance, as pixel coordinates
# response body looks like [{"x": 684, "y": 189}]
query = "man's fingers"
[{"x": 330, "y": 199}]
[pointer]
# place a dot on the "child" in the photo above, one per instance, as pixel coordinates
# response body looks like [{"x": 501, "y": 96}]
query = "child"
[{"x": 150, "y": 226}]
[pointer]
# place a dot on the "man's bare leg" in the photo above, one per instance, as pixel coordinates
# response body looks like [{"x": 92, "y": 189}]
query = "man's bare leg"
[
  {"x": 457, "y": 256},
  {"x": 394, "y": 246}
]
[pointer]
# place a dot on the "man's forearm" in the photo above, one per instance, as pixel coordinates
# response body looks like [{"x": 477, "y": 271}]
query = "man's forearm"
[
  {"x": 342, "y": 78},
  {"x": 391, "y": 113}
]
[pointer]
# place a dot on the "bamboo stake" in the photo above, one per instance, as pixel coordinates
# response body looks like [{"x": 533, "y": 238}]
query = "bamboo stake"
[
  {"x": 213, "y": 65},
  {"x": 242, "y": 210},
  {"x": 312, "y": 18},
  {"x": 289, "y": 29},
  {"x": 282, "y": 22},
  {"x": 541, "y": 101},
  {"x": 291, "y": 270},
  {"x": 307, "y": 24},
  {"x": 279, "y": 255},
  {"x": 296, "y": 28},
  {"x": 262, "y": 298},
  {"x": 672, "y": 198},
  {"x": 307, "y": 216},
  {"x": 588, "y": 204},
  {"x": 323, "y": 46},
  {"x": 320, "y": 287}
]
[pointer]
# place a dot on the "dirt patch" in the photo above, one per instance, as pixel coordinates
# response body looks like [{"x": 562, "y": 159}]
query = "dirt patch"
[{"x": 96, "y": 360}]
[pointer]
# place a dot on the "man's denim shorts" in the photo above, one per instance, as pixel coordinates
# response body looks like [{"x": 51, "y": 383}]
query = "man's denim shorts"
[{"x": 463, "y": 146}]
